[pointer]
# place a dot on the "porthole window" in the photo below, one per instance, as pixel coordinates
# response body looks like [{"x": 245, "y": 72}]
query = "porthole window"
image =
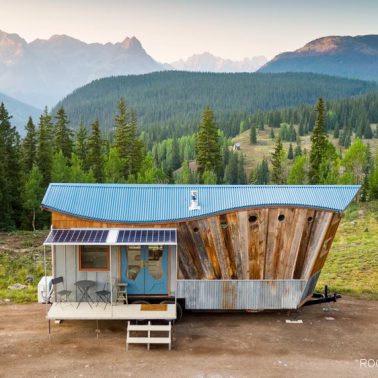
[
  {"x": 281, "y": 217},
  {"x": 252, "y": 219},
  {"x": 224, "y": 223},
  {"x": 195, "y": 229},
  {"x": 310, "y": 219}
]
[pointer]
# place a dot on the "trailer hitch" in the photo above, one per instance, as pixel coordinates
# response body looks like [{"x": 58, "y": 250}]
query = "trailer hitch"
[{"x": 322, "y": 298}]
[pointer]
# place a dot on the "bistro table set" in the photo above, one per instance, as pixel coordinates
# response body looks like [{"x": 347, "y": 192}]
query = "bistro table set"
[{"x": 102, "y": 295}]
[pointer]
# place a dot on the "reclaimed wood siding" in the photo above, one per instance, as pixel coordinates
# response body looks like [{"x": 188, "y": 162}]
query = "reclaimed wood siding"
[{"x": 262, "y": 243}]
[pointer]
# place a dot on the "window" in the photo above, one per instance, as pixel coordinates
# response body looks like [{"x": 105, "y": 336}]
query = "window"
[
  {"x": 93, "y": 257},
  {"x": 155, "y": 261}
]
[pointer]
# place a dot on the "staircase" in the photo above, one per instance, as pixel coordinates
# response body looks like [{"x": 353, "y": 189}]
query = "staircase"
[{"x": 148, "y": 336}]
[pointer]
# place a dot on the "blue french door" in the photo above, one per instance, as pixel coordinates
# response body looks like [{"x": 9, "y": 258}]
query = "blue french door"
[{"x": 145, "y": 269}]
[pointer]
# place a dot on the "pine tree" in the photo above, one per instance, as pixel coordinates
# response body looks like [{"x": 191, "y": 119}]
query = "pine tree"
[
  {"x": 242, "y": 180},
  {"x": 298, "y": 174},
  {"x": 368, "y": 132},
  {"x": 271, "y": 135},
  {"x": 44, "y": 147},
  {"x": 9, "y": 173},
  {"x": 373, "y": 180},
  {"x": 209, "y": 177},
  {"x": 113, "y": 168},
  {"x": 175, "y": 156},
  {"x": 186, "y": 175},
  {"x": 319, "y": 143},
  {"x": 290, "y": 154},
  {"x": 60, "y": 172},
  {"x": 62, "y": 134},
  {"x": 231, "y": 170},
  {"x": 252, "y": 136},
  {"x": 76, "y": 171},
  {"x": 261, "y": 175},
  {"x": 129, "y": 147},
  {"x": 336, "y": 130},
  {"x": 277, "y": 163},
  {"x": 32, "y": 193},
  {"x": 95, "y": 153},
  {"x": 29, "y": 147},
  {"x": 297, "y": 150},
  {"x": 81, "y": 145},
  {"x": 208, "y": 146}
]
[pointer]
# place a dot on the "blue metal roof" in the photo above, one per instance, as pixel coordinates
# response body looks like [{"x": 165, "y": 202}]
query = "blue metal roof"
[{"x": 161, "y": 203}]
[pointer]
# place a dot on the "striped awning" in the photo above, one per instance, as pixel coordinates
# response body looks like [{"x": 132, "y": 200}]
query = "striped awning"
[{"x": 113, "y": 236}]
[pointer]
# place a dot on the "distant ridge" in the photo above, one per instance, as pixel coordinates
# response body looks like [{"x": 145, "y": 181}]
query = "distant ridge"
[
  {"x": 45, "y": 70},
  {"x": 170, "y": 103},
  {"x": 20, "y": 112},
  {"x": 207, "y": 62},
  {"x": 346, "y": 56}
]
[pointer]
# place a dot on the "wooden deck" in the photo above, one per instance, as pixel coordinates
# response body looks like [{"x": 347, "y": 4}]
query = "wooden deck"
[{"x": 68, "y": 311}]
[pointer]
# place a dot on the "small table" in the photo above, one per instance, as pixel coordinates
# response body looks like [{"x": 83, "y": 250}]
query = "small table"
[{"x": 84, "y": 286}]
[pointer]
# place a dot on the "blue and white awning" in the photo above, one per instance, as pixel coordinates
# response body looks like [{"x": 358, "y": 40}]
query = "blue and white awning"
[{"x": 113, "y": 236}]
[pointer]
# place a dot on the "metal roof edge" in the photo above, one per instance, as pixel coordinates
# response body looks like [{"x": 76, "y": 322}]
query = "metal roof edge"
[{"x": 194, "y": 217}]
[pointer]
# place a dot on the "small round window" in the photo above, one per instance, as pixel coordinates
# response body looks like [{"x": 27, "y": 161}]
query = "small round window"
[
  {"x": 252, "y": 219},
  {"x": 281, "y": 217},
  {"x": 310, "y": 219},
  {"x": 195, "y": 229}
]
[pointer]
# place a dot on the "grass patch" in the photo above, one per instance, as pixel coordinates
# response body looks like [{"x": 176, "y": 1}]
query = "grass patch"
[
  {"x": 21, "y": 256},
  {"x": 352, "y": 264}
]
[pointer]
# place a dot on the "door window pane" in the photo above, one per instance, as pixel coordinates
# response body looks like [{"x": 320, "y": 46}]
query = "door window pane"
[
  {"x": 94, "y": 257},
  {"x": 134, "y": 261},
  {"x": 155, "y": 261}
]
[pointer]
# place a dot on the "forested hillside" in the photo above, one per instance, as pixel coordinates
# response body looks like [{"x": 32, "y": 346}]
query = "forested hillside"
[{"x": 169, "y": 104}]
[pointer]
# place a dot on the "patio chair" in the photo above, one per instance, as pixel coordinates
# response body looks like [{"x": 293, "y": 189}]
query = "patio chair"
[
  {"x": 61, "y": 295},
  {"x": 104, "y": 295}
]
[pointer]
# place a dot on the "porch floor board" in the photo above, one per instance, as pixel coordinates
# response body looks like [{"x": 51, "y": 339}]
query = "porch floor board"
[{"x": 68, "y": 311}]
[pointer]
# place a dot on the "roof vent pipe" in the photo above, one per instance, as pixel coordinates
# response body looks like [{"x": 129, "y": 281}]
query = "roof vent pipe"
[{"x": 194, "y": 200}]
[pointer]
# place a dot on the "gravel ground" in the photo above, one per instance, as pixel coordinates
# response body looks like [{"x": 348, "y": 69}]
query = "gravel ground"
[{"x": 204, "y": 345}]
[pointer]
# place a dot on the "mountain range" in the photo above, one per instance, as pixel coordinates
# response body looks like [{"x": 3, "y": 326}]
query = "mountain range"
[
  {"x": 207, "y": 62},
  {"x": 45, "y": 70},
  {"x": 20, "y": 112},
  {"x": 353, "y": 57}
]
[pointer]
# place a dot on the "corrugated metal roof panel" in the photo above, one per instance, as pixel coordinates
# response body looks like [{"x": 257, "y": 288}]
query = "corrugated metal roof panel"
[{"x": 160, "y": 203}]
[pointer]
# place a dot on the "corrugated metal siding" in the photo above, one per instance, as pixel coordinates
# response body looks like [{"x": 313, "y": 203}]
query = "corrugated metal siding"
[
  {"x": 310, "y": 287},
  {"x": 240, "y": 294},
  {"x": 157, "y": 203}
]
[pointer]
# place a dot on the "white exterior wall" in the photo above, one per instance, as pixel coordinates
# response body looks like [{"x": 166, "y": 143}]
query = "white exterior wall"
[{"x": 66, "y": 264}]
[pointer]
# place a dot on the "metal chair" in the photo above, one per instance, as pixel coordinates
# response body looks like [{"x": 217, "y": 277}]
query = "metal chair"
[
  {"x": 61, "y": 293},
  {"x": 104, "y": 295}
]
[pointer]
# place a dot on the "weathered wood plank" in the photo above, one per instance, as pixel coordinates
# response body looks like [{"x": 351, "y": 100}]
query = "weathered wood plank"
[
  {"x": 228, "y": 246},
  {"x": 200, "y": 249},
  {"x": 273, "y": 232},
  {"x": 208, "y": 242},
  {"x": 257, "y": 243},
  {"x": 222, "y": 255},
  {"x": 297, "y": 229},
  {"x": 188, "y": 258},
  {"x": 243, "y": 242},
  {"x": 322, "y": 222},
  {"x": 327, "y": 244},
  {"x": 233, "y": 227}
]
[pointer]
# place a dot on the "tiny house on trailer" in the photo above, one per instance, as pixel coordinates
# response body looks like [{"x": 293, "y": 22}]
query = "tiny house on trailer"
[{"x": 206, "y": 247}]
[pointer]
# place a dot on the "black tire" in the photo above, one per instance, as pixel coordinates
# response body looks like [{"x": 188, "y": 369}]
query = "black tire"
[{"x": 179, "y": 311}]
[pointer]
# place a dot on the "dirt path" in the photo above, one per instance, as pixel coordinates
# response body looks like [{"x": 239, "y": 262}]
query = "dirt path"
[{"x": 205, "y": 345}]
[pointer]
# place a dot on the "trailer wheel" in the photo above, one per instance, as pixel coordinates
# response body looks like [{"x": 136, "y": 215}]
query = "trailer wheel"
[{"x": 179, "y": 311}]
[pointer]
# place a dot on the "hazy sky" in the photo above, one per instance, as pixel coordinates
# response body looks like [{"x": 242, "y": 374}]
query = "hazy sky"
[{"x": 173, "y": 29}]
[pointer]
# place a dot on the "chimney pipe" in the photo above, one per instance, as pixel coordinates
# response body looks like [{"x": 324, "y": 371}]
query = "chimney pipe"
[{"x": 194, "y": 200}]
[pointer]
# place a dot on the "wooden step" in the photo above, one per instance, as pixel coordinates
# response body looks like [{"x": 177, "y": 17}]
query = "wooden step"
[{"x": 150, "y": 338}]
